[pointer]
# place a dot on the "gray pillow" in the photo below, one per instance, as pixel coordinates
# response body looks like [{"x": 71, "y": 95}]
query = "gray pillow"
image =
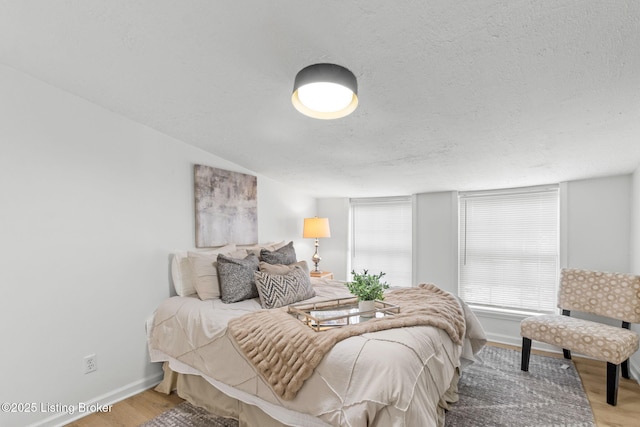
[
  {"x": 278, "y": 290},
  {"x": 236, "y": 278},
  {"x": 285, "y": 255}
]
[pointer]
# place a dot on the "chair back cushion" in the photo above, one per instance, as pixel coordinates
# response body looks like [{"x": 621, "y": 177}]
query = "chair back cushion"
[{"x": 614, "y": 295}]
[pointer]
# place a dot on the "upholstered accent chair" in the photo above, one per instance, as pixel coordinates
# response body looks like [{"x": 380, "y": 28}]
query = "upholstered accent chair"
[{"x": 612, "y": 295}]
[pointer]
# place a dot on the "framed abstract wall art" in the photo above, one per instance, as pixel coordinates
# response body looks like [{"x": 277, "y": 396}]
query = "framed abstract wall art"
[{"x": 226, "y": 207}]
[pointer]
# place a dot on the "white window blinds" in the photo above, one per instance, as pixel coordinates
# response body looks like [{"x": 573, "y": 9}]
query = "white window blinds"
[
  {"x": 509, "y": 248},
  {"x": 382, "y": 239}
]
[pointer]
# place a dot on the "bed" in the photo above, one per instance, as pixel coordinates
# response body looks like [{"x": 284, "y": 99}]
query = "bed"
[{"x": 393, "y": 377}]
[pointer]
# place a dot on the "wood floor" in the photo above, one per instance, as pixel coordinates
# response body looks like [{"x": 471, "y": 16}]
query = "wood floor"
[
  {"x": 131, "y": 412},
  {"x": 149, "y": 404}
]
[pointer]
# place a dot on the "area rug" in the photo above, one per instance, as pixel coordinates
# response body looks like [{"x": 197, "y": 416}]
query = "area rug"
[
  {"x": 187, "y": 415},
  {"x": 494, "y": 392}
]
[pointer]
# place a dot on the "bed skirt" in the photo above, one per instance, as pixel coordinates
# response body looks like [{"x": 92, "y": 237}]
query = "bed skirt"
[{"x": 199, "y": 392}]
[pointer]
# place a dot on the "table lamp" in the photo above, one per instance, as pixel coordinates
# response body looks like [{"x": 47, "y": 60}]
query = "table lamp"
[{"x": 316, "y": 228}]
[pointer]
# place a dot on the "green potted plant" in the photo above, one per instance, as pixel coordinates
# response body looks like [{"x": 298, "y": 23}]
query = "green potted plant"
[{"x": 368, "y": 288}]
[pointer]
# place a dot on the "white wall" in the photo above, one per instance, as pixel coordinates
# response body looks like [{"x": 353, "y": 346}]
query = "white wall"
[
  {"x": 91, "y": 206},
  {"x": 334, "y": 251},
  {"x": 635, "y": 222},
  {"x": 596, "y": 221},
  {"x": 435, "y": 238},
  {"x": 635, "y": 253}
]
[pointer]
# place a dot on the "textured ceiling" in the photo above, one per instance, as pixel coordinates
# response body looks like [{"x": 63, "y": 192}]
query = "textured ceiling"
[{"x": 463, "y": 95}]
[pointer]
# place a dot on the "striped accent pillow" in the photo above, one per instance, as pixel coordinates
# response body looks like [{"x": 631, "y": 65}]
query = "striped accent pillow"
[{"x": 279, "y": 290}]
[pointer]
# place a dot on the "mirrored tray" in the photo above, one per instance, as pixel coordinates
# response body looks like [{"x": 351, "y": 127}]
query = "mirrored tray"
[{"x": 322, "y": 315}]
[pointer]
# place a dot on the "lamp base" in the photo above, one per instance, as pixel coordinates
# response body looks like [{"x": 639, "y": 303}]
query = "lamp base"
[{"x": 316, "y": 258}]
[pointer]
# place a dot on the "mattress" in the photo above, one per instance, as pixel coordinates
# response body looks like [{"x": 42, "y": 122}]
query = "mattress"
[{"x": 395, "y": 377}]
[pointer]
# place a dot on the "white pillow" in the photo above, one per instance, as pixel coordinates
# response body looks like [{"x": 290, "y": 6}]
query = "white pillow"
[
  {"x": 265, "y": 267},
  {"x": 238, "y": 254},
  {"x": 181, "y": 275},
  {"x": 204, "y": 272},
  {"x": 279, "y": 245},
  {"x": 255, "y": 249}
]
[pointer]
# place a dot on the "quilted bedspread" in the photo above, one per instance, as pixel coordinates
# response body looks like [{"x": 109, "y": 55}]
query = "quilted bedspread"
[
  {"x": 393, "y": 377},
  {"x": 285, "y": 351}
]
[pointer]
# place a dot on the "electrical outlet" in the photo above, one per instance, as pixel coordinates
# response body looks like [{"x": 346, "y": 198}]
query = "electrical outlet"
[{"x": 90, "y": 364}]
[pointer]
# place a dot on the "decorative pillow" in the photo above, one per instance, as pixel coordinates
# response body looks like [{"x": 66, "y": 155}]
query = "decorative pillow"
[
  {"x": 239, "y": 254},
  {"x": 279, "y": 290},
  {"x": 284, "y": 255},
  {"x": 236, "y": 278},
  {"x": 255, "y": 249},
  {"x": 279, "y": 245},
  {"x": 203, "y": 271},
  {"x": 265, "y": 267},
  {"x": 181, "y": 274}
]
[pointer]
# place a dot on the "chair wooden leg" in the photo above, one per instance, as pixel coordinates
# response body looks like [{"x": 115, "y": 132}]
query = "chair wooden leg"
[
  {"x": 526, "y": 353},
  {"x": 625, "y": 369},
  {"x": 566, "y": 353},
  {"x": 613, "y": 375}
]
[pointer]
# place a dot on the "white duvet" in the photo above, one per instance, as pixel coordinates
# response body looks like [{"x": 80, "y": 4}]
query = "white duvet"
[{"x": 395, "y": 377}]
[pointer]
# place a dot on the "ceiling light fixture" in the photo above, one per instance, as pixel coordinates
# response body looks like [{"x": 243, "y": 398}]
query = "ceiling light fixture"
[{"x": 325, "y": 91}]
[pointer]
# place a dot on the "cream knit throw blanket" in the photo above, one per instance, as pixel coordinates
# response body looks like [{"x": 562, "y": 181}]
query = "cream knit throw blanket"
[{"x": 285, "y": 351}]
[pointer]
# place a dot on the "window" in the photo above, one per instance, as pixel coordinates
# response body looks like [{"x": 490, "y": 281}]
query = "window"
[
  {"x": 381, "y": 238},
  {"x": 508, "y": 247}
]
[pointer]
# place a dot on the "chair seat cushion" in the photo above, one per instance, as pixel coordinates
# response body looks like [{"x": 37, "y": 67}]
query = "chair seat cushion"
[{"x": 600, "y": 341}]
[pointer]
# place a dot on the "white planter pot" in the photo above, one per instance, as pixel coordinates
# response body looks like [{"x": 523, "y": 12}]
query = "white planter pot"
[{"x": 364, "y": 306}]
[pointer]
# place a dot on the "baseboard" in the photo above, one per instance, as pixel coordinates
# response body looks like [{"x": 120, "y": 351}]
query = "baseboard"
[
  {"x": 109, "y": 398},
  {"x": 503, "y": 339},
  {"x": 634, "y": 370},
  {"x": 517, "y": 342}
]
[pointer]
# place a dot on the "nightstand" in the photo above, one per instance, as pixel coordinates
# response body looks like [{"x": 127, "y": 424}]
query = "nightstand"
[{"x": 322, "y": 274}]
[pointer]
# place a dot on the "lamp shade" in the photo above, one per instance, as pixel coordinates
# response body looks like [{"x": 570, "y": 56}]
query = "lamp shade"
[
  {"x": 316, "y": 228},
  {"x": 325, "y": 91}
]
